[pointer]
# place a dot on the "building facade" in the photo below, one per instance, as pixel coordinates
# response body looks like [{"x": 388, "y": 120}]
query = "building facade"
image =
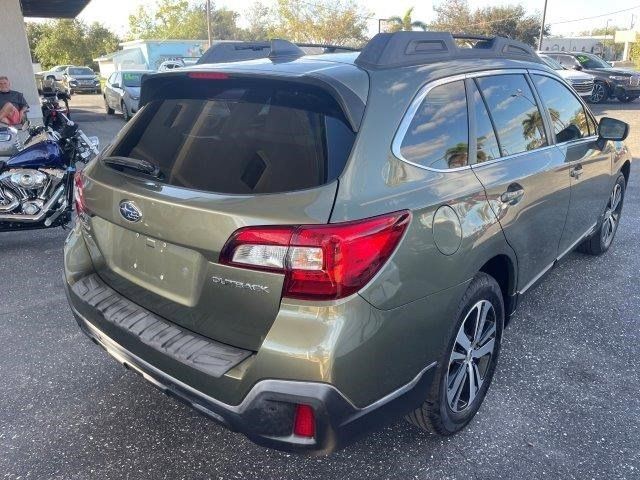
[{"x": 149, "y": 54}]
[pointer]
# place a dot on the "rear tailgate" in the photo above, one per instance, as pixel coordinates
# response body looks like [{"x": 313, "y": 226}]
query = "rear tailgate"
[{"x": 229, "y": 159}]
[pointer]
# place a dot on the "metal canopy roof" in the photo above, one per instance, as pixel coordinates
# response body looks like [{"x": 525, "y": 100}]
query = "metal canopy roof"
[{"x": 53, "y": 8}]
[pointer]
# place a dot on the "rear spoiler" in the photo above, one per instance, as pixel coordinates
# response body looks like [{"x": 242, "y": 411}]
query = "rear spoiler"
[{"x": 155, "y": 86}]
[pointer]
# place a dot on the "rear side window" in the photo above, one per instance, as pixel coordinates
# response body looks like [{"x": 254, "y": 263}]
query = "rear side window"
[
  {"x": 567, "y": 113},
  {"x": 242, "y": 137},
  {"x": 438, "y": 135},
  {"x": 518, "y": 121},
  {"x": 486, "y": 142}
]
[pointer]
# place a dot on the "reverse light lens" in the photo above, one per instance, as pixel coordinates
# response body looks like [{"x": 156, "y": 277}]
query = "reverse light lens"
[
  {"x": 304, "y": 424},
  {"x": 321, "y": 262},
  {"x": 268, "y": 256}
]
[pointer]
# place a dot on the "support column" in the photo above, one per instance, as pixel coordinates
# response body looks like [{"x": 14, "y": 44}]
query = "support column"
[{"x": 15, "y": 57}]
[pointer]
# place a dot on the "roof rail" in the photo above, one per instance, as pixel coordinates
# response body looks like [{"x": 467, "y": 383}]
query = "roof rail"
[
  {"x": 329, "y": 48},
  {"x": 401, "y": 49}
]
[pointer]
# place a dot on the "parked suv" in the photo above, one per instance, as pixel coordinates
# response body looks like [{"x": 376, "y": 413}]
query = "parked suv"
[
  {"x": 304, "y": 248},
  {"x": 609, "y": 81},
  {"x": 580, "y": 81},
  {"x": 80, "y": 79}
]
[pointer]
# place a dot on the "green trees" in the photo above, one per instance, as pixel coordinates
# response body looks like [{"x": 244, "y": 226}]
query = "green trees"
[
  {"x": 181, "y": 19},
  {"x": 508, "y": 21},
  {"x": 405, "y": 23},
  {"x": 69, "y": 42}
]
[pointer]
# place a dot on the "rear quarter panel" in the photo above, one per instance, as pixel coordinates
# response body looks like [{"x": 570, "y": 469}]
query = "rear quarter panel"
[{"x": 376, "y": 182}]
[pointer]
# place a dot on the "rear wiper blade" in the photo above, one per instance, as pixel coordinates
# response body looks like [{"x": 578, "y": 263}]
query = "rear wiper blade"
[{"x": 134, "y": 164}]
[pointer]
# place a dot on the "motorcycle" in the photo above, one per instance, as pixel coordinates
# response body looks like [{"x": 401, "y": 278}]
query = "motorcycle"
[
  {"x": 50, "y": 103},
  {"x": 36, "y": 183}
]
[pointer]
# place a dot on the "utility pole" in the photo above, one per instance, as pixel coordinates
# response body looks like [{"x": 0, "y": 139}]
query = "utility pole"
[
  {"x": 209, "y": 21},
  {"x": 544, "y": 18}
]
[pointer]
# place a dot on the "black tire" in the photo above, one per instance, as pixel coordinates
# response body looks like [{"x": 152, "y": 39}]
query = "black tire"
[
  {"x": 436, "y": 415},
  {"x": 107, "y": 108},
  {"x": 624, "y": 98},
  {"x": 125, "y": 112},
  {"x": 600, "y": 93},
  {"x": 600, "y": 241}
]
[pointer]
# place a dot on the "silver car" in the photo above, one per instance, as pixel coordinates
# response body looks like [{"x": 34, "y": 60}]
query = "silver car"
[{"x": 122, "y": 92}]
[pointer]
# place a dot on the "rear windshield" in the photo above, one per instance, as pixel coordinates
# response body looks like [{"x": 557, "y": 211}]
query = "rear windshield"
[{"x": 241, "y": 137}]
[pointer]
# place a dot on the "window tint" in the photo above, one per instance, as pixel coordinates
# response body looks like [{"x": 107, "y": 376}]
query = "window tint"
[
  {"x": 438, "y": 136},
  {"x": 567, "y": 113},
  {"x": 486, "y": 142},
  {"x": 518, "y": 120},
  {"x": 241, "y": 137}
]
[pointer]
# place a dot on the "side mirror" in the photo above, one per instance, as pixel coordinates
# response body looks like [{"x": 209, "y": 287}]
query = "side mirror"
[
  {"x": 115, "y": 85},
  {"x": 612, "y": 129},
  {"x": 577, "y": 67}
]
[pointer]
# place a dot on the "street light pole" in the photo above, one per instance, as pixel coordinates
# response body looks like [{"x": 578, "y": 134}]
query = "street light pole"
[
  {"x": 544, "y": 17},
  {"x": 606, "y": 34},
  {"x": 209, "y": 21}
]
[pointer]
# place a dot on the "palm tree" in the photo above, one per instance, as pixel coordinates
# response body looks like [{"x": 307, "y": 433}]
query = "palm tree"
[{"x": 405, "y": 23}]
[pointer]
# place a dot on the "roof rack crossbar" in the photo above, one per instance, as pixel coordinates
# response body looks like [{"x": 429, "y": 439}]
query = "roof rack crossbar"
[{"x": 400, "y": 49}]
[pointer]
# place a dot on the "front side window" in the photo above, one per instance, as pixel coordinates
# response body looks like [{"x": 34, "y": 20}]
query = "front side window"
[
  {"x": 567, "y": 114},
  {"x": 517, "y": 118},
  {"x": 438, "y": 135},
  {"x": 591, "y": 61}
]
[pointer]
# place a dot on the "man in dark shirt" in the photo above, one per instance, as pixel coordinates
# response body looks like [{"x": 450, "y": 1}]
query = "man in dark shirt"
[{"x": 13, "y": 105}]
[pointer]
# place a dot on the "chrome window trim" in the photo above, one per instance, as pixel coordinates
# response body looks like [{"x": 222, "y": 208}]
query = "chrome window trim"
[{"x": 424, "y": 91}]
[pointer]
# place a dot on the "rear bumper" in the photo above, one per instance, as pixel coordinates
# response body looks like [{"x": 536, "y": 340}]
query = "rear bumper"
[{"x": 265, "y": 415}]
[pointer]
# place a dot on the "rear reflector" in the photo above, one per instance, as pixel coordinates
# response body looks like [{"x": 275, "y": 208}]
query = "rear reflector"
[
  {"x": 319, "y": 261},
  {"x": 78, "y": 192},
  {"x": 209, "y": 75},
  {"x": 304, "y": 424}
]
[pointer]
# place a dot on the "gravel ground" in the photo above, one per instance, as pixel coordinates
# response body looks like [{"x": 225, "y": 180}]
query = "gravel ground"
[{"x": 564, "y": 403}]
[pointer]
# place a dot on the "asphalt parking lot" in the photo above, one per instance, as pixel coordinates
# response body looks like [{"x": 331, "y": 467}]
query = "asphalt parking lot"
[{"x": 564, "y": 403}]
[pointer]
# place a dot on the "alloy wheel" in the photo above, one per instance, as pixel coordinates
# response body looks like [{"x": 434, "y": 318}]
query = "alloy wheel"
[
  {"x": 471, "y": 356},
  {"x": 612, "y": 215},
  {"x": 598, "y": 94}
]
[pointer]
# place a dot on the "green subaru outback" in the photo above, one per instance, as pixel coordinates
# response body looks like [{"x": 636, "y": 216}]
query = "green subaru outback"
[{"x": 305, "y": 247}]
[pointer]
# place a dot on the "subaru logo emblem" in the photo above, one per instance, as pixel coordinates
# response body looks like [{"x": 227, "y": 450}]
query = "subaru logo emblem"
[{"x": 130, "y": 211}]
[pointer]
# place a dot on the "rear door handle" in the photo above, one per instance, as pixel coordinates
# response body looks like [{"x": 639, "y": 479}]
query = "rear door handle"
[
  {"x": 576, "y": 172},
  {"x": 513, "y": 195}
]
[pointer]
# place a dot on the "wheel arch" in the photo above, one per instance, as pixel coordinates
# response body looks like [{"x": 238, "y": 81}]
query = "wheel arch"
[
  {"x": 503, "y": 269},
  {"x": 626, "y": 171}
]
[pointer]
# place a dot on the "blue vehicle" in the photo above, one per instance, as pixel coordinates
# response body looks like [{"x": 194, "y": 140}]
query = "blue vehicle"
[{"x": 37, "y": 180}]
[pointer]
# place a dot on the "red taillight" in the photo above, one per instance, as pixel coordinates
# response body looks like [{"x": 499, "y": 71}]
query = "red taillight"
[
  {"x": 209, "y": 75},
  {"x": 78, "y": 192},
  {"x": 304, "y": 424},
  {"x": 319, "y": 261}
]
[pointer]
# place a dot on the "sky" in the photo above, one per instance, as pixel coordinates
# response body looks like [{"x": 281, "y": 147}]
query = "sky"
[{"x": 115, "y": 13}]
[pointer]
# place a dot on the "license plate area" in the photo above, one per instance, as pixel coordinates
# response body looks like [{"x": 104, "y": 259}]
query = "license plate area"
[{"x": 169, "y": 270}]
